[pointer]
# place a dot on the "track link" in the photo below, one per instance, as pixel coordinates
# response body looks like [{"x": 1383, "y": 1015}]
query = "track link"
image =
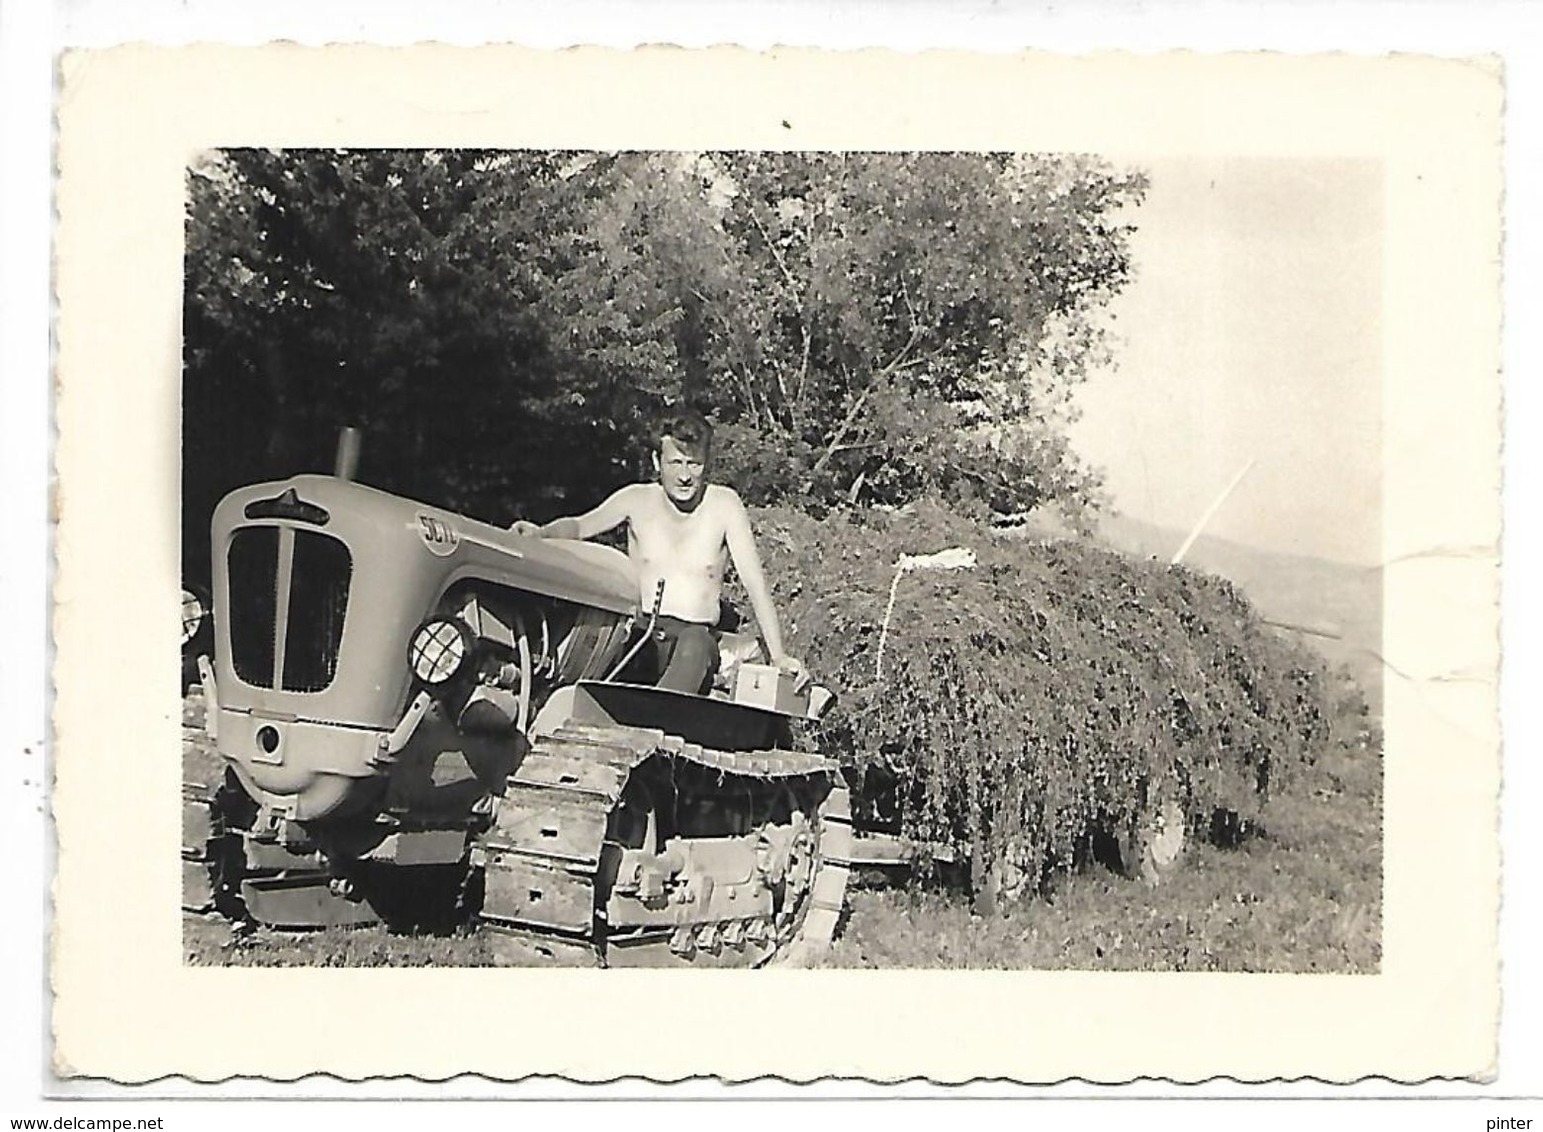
[
  {"x": 560, "y": 874},
  {"x": 569, "y": 881},
  {"x": 199, "y": 763}
]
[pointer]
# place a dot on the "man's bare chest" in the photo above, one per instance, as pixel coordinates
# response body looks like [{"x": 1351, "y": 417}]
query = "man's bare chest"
[{"x": 665, "y": 536}]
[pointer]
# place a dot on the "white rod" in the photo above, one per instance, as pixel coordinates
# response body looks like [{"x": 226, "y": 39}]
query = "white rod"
[
  {"x": 878, "y": 667},
  {"x": 1211, "y": 511}
]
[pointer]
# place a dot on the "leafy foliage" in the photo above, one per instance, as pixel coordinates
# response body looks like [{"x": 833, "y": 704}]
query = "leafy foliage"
[
  {"x": 1047, "y": 691},
  {"x": 444, "y": 301},
  {"x": 884, "y": 327},
  {"x": 505, "y": 325}
]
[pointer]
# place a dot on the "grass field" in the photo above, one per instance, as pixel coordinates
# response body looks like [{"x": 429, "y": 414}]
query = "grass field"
[{"x": 1302, "y": 895}]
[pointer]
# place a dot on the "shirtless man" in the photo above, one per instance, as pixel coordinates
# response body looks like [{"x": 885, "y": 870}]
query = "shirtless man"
[{"x": 682, "y": 531}]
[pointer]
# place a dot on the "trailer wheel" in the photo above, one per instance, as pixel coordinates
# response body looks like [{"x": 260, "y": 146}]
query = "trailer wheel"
[{"x": 1153, "y": 845}]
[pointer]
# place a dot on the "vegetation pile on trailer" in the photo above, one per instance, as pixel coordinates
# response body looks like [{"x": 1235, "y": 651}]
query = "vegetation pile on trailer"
[{"x": 1050, "y": 700}]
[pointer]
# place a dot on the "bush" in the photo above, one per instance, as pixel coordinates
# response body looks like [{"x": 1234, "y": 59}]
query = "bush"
[{"x": 1036, "y": 697}]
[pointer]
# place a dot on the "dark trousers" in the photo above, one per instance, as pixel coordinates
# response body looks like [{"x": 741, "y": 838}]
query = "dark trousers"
[{"x": 685, "y": 655}]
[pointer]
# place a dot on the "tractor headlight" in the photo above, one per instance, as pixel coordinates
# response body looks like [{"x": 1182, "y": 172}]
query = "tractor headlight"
[
  {"x": 439, "y": 650},
  {"x": 194, "y": 611}
]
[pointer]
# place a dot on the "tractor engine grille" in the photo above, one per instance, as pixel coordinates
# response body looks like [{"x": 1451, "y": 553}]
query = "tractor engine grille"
[{"x": 288, "y": 596}]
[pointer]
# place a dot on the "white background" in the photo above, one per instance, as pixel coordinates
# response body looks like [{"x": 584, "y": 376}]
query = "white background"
[{"x": 30, "y": 33}]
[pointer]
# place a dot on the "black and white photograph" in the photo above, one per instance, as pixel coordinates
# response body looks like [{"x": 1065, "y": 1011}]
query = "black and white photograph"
[
  {"x": 893, "y": 554},
  {"x": 921, "y": 641}
]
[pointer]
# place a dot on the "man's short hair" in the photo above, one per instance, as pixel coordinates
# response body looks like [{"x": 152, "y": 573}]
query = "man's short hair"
[{"x": 689, "y": 429}]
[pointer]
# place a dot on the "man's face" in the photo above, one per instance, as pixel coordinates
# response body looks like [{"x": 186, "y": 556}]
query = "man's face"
[{"x": 682, "y": 473}]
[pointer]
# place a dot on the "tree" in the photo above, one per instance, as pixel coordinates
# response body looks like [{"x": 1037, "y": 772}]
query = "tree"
[
  {"x": 865, "y": 327},
  {"x": 878, "y": 326},
  {"x": 446, "y": 301}
]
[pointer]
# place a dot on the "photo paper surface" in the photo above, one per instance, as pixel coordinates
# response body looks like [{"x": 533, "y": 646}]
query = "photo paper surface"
[{"x": 1314, "y": 378}]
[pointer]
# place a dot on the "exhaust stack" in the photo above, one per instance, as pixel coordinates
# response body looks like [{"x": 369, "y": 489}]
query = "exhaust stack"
[{"x": 347, "y": 465}]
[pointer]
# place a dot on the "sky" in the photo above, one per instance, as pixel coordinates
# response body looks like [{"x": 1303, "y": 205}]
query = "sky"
[{"x": 1251, "y": 331}]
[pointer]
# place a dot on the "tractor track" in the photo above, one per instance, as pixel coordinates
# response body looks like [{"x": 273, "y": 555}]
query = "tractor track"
[
  {"x": 560, "y": 887},
  {"x": 556, "y": 878}
]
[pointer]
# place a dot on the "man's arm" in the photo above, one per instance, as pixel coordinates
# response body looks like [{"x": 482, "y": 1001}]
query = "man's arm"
[
  {"x": 747, "y": 564},
  {"x": 609, "y": 515}
]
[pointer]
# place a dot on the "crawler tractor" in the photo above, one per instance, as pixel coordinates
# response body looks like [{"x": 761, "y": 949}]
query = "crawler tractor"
[{"x": 423, "y": 718}]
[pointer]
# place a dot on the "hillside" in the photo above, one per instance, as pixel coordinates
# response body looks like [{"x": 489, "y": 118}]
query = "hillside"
[{"x": 1335, "y": 607}]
